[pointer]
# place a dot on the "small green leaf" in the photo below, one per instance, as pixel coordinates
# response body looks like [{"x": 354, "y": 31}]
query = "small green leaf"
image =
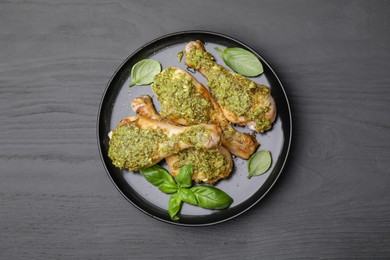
[
  {"x": 209, "y": 197},
  {"x": 174, "y": 205},
  {"x": 241, "y": 61},
  {"x": 168, "y": 187},
  {"x": 143, "y": 72},
  {"x": 259, "y": 163},
  {"x": 184, "y": 178},
  {"x": 160, "y": 178},
  {"x": 188, "y": 196}
]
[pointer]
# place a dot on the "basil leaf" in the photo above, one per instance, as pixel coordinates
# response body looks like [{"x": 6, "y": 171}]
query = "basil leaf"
[
  {"x": 184, "y": 178},
  {"x": 168, "y": 188},
  {"x": 174, "y": 205},
  {"x": 143, "y": 72},
  {"x": 188, "y": 196},
  {"x": 160, "y": 178},
  {"x": 241, "y": 61},
  {"x": 209, "y": 197},
  {"x": 259, "y": 163}
]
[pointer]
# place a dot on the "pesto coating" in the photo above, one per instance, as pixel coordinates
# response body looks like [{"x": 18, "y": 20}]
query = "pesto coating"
[
  {"x": 207, "y": 164},
  {"x": 179, "y": 99},
  {"x": 134, "y": 148},
  {"x": 196, "y": 135},
  {"x": 233, "y": 91}
]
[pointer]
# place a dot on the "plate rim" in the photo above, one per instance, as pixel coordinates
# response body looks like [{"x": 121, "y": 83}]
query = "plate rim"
[{"x": 168, "y": 36}]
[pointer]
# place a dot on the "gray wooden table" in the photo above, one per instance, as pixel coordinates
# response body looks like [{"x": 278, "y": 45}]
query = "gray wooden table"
[{"x": 332, "y": 200}]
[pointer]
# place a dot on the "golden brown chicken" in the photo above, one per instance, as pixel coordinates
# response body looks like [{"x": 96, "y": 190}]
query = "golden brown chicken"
[
  {"x": 209, "y": 165},
  {"x": 243, "y": 101},
  {"x": 185, "y": 101},
  {"x": 139, "y": 142}
]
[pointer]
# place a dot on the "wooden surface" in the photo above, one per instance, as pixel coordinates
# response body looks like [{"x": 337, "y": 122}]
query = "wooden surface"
[{"x": 333, "y": 199}]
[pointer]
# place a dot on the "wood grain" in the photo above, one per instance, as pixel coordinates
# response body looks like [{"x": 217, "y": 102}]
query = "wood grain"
[{"x": 332, "y": 201}]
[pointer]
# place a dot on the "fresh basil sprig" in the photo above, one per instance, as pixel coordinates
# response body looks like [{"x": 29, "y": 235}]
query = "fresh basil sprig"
[
  {"x": 143, "y": 72},
  {"x": 241, "y": 61},
  {"x": 259, "y": 163},
  {"x": 180, "y": 187}
]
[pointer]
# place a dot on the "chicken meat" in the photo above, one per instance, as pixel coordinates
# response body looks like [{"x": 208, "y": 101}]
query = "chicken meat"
[
  {"x": 243, "y": 101},
  {"x": 209, "y": 165},
  {"x": 139, "y": 142},
  {"x": 187, "y": 102}
]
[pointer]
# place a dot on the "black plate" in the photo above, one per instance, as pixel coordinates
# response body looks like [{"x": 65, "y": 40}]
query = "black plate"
[{"x": 115, "y": 105}]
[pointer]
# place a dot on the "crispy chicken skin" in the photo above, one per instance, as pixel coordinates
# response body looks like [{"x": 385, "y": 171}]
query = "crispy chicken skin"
[
  {"x": 245, "y": 102},
  {"x": 140, "y": 142},
  {"x": 185, "y": 101},
  {"x": 143, "y": 106}
]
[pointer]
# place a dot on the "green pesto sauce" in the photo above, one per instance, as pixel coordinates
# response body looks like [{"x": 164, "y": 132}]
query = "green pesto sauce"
[
  {"x": 234, "y": 91},
  {"x": 208, "y": 164},
  {"x": 180, "y": 56},
  {"x": 178, "y": 97},
  {"x": 228, "y": 133},
  {"x": 199, "y": 58},
  {"x": 196, "y": 135},
  {"x": 134, "y": 148}
]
